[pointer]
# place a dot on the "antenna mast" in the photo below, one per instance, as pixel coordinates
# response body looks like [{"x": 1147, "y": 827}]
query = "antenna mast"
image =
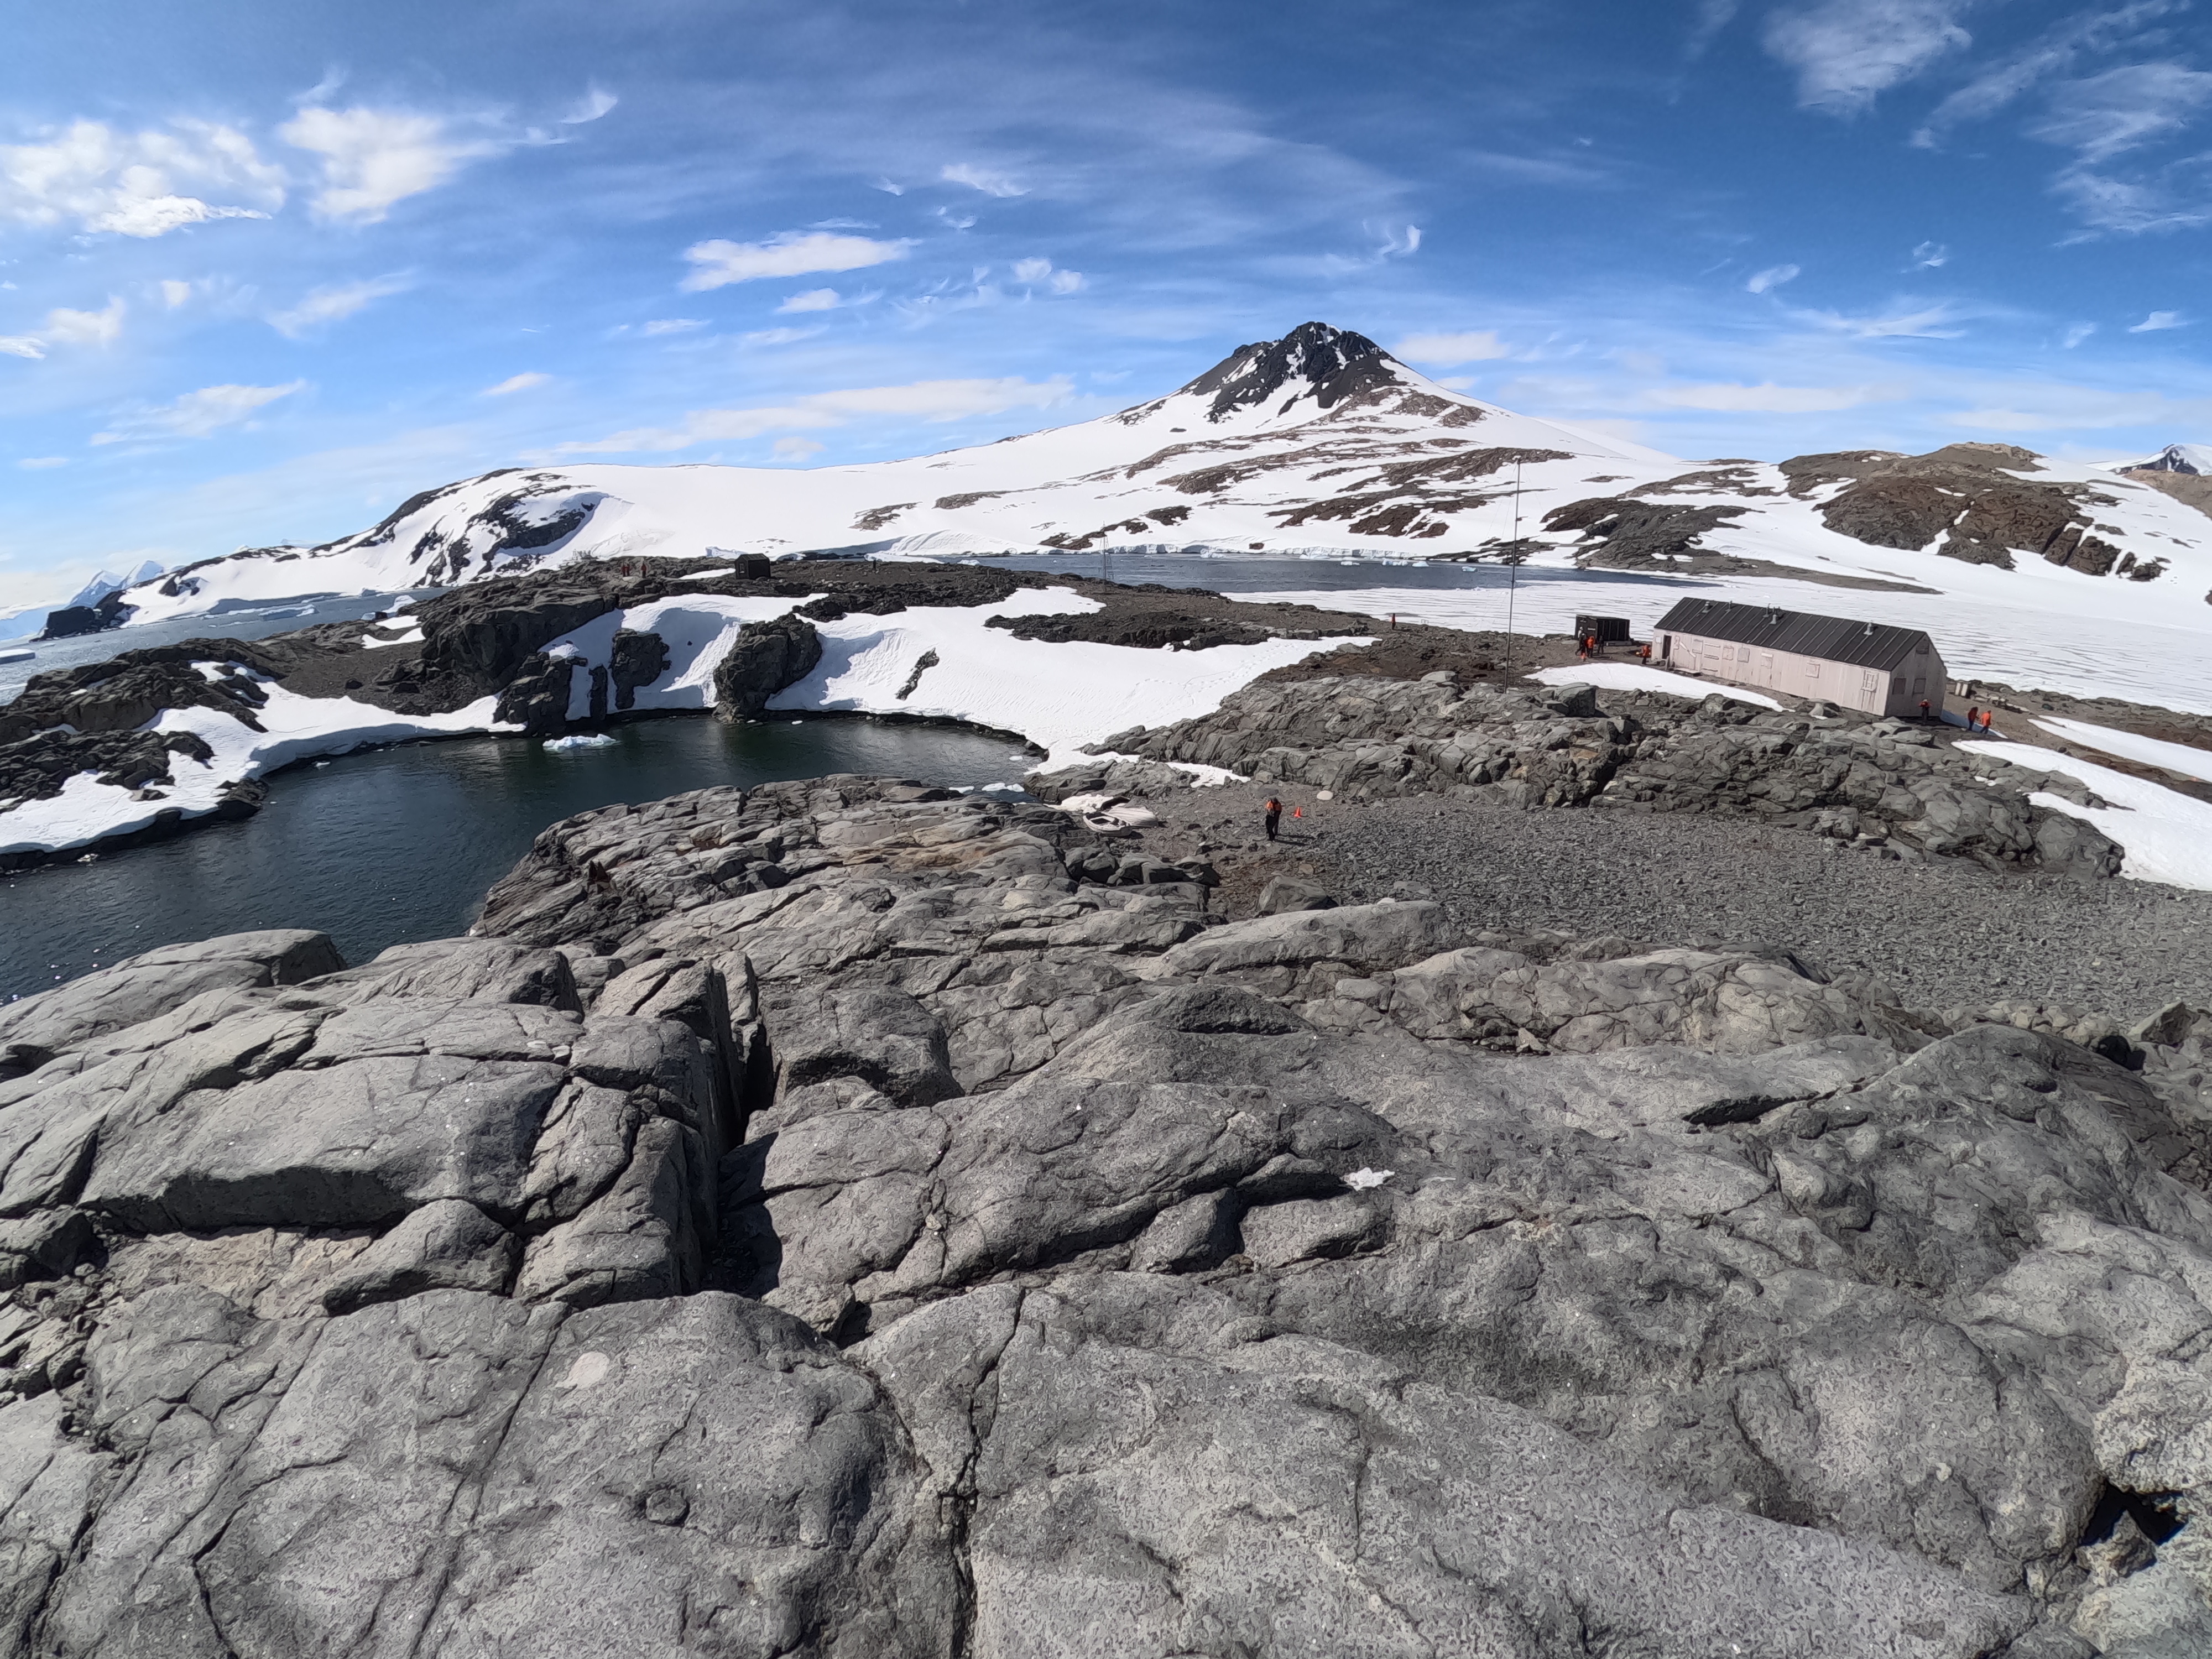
[{"x": 1513, "y": 568}]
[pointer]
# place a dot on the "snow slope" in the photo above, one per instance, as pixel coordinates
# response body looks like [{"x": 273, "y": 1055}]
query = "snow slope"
[
  {"x": 1057, "y": 696},
  {"x": 1321, "y": 445},
  {"x": 2167, "y": 835}
]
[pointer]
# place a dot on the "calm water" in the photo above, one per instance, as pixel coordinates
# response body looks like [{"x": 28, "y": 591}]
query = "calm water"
[{"x": 399, "y": 844}]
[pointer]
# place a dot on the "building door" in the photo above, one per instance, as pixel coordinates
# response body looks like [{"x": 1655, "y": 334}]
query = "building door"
[{"x": 1766, "y": 668}]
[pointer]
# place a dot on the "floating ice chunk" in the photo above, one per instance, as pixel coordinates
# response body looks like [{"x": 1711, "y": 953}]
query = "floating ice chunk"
[{"x": 582, "y": 740}]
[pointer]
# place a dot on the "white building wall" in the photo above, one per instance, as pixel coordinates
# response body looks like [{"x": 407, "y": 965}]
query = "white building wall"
[{"x": 1875, "y": 690}]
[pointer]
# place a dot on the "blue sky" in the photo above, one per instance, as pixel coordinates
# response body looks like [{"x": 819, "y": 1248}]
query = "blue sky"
[{"x": 266, "y": 269}]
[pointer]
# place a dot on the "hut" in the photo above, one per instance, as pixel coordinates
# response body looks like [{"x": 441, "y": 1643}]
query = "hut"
[
  {"x": 1606, "y": 631},
  {"x": 1860, "y": 664}
]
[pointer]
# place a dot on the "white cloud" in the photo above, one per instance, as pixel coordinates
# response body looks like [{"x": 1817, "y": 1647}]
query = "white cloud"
[
  {"x": 815, "y": 298},
  {"x": 2158, "y": 320},
  {"x": 330, "y": 304},
  {"x": 595, "y": 102},
  {"x": 671, "y": 326},
  {"x": 129, "y": 183},
  {"x": 1039, "y": 273},
  {"x": 1769, "y": 399},
  {"x": 2050, "y": 54},
  {"x": 2123, "y": 109},
  {"x": 767, "y": 336},
  {"x": 195, "y": 415},
  {"x": 983, "y": 179},
  {"x": 174, "y": 292},
  {"x": 373, "y": 158},
  {"x": 1773, "y": 277},
  {"x": 2107, "y": 116},
  {"x": 1400, "y": 243},
  {"x": 789, "y": 253},
  {"x": 1447, "y": 349},
  {"x": 42, "y": 463},
  {"x": 522, "y": 382},
  {"x": 928, "y": 400},
  {"x": 1930, "y": 255},
  {"x": 86, "y": 327},
  {"x": 1921, "y": 324},
  {"x": 2078, "y": 333},
  {"x": 797, "y": 449},
  {"x": 1846, "y": 52},
  {"x": 66, "y": 327}
]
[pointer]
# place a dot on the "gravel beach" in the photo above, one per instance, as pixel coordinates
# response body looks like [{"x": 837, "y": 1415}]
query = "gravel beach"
[{"x": 1944, "y": 934}]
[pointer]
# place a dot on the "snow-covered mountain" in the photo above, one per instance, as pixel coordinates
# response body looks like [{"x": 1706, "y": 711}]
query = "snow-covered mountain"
[
  {"x": 2176, "y": 458},
  {"x": 1319, "y": 444}
]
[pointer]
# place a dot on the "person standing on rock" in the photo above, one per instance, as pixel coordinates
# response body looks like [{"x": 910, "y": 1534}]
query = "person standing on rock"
[
  {"x": 1273, "y": 809},
  {"x": 1973, "y": 717}
]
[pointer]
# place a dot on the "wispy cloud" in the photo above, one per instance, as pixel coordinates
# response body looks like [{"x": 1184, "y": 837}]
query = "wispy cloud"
[
  {"x": 330, "y": 304},
  {"x": 374, "y": 159},
  {"x": 196, "y": 414},
  {"x": 2079, "y": 332},
  {"x": 790, "y": 253},
  {"x": 66, "y": 327},
  {"x": 2109, "y": 115},
  {"x": 175, "y": 293},
  {"x": 100, "y": 327},
  {"x": 1713, "y": 16},
  {"x": 42, "y": 463},
  {"x": 928, "y": 400},
  {"x": 1769, "y": 399},
  {"x": 2158, "y": 321},
  {"x": 2050, "y": 54},
  {"x": 797, "y": 449},
  {"x": 1929, "y": 255},
  {"x": 775, "y": 336},
  {"x": 986, "y": 179},
  {"x": 1773, "y": 276},
  {"x": 1847, "y": 52},
  {"x": 135, "y": 184},
  {"x": 815, "y": 298},
  {"x": 1447, "y": 350},
  {"x": 671, "y": 326},
  {"x": 595, "y": 102},
  {"x": 1041, "y": 273},
  {"x": 1925, "y": 324},
  {"x": 523, "y": 382}
]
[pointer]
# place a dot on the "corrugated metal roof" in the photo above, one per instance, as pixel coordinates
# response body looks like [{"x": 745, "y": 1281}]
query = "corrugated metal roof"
[{"x": 1831, "y": 639}]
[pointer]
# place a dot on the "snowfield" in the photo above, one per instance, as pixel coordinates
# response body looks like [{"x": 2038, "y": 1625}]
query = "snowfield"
[
  {"x": 1634, "y": 677},
  {"x": 2167, "y": 835},
  {"x": 1055, "y": 696}
]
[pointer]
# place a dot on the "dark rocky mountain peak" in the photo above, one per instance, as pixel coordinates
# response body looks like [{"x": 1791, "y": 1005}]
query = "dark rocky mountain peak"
[
  {"x": 1311, "y": 357},
  {"x": 2174, "y": 457}
]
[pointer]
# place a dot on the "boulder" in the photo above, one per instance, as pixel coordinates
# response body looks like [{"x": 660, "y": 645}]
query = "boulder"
[{"x": 766, "y": 658}]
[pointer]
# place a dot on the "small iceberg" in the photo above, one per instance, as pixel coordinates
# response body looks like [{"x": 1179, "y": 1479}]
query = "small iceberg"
[
  {"x": 16, "y": 656},
  {"x": 582, "y": 740}
]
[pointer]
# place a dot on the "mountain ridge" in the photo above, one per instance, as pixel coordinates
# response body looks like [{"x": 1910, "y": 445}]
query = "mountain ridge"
[{"x": 1317, "y": 444}]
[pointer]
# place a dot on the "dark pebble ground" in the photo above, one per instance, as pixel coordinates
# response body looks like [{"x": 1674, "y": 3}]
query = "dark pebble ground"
[{"x": 1945, "y": 935}]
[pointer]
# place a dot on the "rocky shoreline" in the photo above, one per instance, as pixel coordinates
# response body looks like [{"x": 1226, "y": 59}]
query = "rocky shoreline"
[
  {"x": 153, "y": 741},
  {"x": 836, "y": 1219}
]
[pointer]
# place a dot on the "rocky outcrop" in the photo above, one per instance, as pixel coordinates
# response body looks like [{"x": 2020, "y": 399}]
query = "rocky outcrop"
[
  {"x": 1965, "y": 500},
  {"x": 932, "y": 1250},
  {"x": 1838, "y": 773},
  {"x": 766, "y": 658}
]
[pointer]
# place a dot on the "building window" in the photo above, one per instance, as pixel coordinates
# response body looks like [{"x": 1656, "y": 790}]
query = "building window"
[{"x": 1811, "y": 670}]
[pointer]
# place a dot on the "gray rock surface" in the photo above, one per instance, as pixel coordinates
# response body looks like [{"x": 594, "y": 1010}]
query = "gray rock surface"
[
  {"x": 931, "y": 1248},
  {"x": 1835, "y": 771}
]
